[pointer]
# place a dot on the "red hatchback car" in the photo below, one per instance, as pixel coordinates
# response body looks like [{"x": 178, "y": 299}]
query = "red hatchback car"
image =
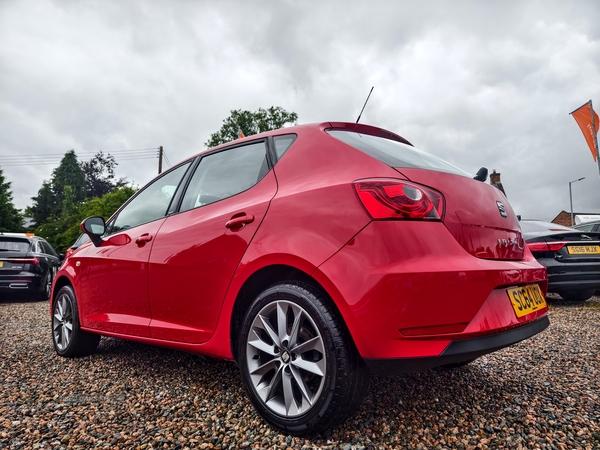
[{"x": 312, "y": 256}]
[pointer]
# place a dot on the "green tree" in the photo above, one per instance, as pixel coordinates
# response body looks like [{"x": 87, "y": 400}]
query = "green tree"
[
  {"x": 62, "y": 231},
  {"x": 10, "y": 218},
  {"x": 99, "y": 175},
  {"x": 251, "y": 123},
  {"x": 43, "y": 204},
  {"x": 50, "y": 198},
  {"x": 68, "y": 173}
]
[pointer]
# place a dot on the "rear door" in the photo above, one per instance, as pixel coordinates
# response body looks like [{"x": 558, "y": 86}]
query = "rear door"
[{"x": 198, "y": 249}]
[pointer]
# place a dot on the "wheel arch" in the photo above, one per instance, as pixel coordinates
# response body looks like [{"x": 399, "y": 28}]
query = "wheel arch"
[
  {"x": 261, "y": 280},
  {"x": 60, "y": 282}
]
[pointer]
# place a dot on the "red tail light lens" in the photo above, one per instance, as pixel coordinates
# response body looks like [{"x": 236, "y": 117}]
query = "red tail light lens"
[
  {"x": 556, "y": 246},
  {"x": 545, "y": 246},
  {"x": 33, "y": 261},
  {"x": 396, "y": 199}
]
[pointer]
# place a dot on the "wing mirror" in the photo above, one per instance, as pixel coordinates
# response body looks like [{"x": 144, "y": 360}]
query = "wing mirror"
[{"x": 94, "y": 227}]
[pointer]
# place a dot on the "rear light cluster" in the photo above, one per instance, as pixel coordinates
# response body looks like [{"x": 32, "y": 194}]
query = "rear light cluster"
[
  {"x": 396, "y": 199},
  {"x": 33, "y": 261},
  {"x": 546, "y": 246}
]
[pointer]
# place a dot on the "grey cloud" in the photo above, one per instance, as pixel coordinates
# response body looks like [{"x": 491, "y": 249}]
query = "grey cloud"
[{"x": 477, "y": 83}]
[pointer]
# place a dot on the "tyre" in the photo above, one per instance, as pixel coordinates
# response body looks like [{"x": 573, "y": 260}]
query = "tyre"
[
  {"x": 46, "y": 286},
  {"x": 577, "y": 295},
  {"x": 298, "y": 364},
  {"x": 68, "y": 337}
]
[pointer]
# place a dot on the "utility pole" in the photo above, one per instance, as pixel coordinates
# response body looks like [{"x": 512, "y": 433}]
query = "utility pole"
[{"x": 160, "y": 158}]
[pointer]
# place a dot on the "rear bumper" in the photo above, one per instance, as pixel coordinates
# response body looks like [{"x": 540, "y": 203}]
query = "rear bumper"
[
  {"x": 19, "y": 283},
  {"x": 407, "y": 290},
  {"x": 458, "y": 351},
  {"x": 562, "y": 276}
]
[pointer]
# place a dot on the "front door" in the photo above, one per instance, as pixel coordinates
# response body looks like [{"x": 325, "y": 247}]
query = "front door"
[
  {"x": 112, "y": 286},
  {"x": 198, "y": 249}
]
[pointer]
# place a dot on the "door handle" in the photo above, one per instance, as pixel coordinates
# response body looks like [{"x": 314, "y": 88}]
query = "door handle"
[
  {"x": 240, "y": 221},
  {"x": 141, "y": 240}
]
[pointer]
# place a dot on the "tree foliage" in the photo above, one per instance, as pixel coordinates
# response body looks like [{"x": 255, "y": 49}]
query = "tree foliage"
[
  {"x": 250, "y": 123},
  {"x": 10, "y": 218},
  {"x": 68, "y": 173},
  {"x": 71, "y": 183},
  {"x": 99, "y": 173},
  {"x": 63, "y": 230}
]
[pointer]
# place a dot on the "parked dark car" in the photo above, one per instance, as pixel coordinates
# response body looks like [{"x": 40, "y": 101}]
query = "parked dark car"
[
  {"x": 313, "y": 256},
  {"x": 27, "y": 265},
  {"x": 571, "y": 256}
]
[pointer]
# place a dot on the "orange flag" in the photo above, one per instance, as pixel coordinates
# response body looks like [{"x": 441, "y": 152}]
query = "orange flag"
[{"x": 589, "y": 128}]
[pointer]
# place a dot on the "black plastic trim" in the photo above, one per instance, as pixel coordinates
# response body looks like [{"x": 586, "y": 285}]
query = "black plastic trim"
[{"x": 457, "y": 351}]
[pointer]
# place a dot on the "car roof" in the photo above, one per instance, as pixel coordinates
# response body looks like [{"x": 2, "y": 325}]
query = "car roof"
[{"x": 348, "y": 126}]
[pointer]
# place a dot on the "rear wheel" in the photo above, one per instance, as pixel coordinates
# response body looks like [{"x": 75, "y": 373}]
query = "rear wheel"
[
  {"x": 299, "y": 367},
  {"x": 577, "y": 295},
  {"x": 47, "y": 285},
  {"x": 68, "y": 337}
]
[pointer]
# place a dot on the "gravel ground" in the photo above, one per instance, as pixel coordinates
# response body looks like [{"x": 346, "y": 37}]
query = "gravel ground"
[{"x": 541, "y": 393}]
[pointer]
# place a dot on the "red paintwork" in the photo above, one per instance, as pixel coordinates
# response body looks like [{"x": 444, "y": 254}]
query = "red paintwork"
[{"x": 403, "y": 288}]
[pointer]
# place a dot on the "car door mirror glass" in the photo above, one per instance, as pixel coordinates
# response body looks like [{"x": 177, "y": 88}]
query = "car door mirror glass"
[{"x": 94, "y": 227}]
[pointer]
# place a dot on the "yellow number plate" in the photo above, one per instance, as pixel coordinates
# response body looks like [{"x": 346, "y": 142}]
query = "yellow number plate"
[
  {"x": 584, "y": 249},
  {"x": 526, "y": 299},
  {"x": 1, "y": 264}
]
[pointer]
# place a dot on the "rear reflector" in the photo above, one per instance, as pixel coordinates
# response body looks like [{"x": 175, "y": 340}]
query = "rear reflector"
[{"x": 387, "y": 198}]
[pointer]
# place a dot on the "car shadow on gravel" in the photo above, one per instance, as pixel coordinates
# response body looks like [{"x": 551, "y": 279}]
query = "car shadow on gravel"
[{"x": 392, "y": 401}]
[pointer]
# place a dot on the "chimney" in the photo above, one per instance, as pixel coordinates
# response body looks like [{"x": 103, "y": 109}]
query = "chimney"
[
  {"x": 494, "y": 178},
  {"x": 495, "y": 181}
]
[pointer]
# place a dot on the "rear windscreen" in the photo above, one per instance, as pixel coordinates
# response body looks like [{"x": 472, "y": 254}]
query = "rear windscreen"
[
  {"x": 14, "y": 245},
  {"x": 394, "y": 153}
]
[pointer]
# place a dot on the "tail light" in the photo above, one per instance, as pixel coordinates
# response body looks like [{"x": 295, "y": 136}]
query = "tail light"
[
  {"x": 33, "y": 261},
  {"x": 395, "y": 199},
  {"x": 545, "y": 246}
]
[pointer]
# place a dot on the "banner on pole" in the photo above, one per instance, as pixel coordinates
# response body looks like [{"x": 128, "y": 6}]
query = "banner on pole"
[{"x": 587, "y": 120}]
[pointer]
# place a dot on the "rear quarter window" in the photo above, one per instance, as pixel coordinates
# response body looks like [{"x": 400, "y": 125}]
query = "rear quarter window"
[{"x": 394, "y": 153}]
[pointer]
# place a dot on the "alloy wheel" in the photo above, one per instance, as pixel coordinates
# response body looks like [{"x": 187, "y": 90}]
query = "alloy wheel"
[
  {"x": 286, "y": 358},
  {"x": 62, "y": 322}
]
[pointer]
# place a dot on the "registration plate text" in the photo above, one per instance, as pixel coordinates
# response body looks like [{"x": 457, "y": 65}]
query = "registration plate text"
[
  {"x": 526, "y": 299},
  {"x": 584, "y": 249}
]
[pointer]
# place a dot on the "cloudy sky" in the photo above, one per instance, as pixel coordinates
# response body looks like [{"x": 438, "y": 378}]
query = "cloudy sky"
[{"x": 476, "y": 83}]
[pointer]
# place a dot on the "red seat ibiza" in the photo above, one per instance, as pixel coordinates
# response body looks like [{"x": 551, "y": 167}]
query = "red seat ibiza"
[{"x": 312, "y": 256}]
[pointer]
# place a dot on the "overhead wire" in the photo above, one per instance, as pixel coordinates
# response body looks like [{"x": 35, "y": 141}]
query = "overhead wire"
[{"x": 55, "y": 158}]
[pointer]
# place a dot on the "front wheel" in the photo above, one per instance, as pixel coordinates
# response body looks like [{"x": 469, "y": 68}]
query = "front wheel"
[
  {"x": 298, "y": 364},
  {"x": 68, "y": 337}
]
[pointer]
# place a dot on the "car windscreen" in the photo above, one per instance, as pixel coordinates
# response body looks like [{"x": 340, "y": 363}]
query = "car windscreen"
[
  {"x": 14, "y": 245},
  {"x": 394, "y": 153}
]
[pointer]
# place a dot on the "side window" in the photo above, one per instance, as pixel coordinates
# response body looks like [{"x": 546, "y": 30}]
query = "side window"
[
  {"x": 225, "y": 174},
  {"x": 283, "y": 143},
  {"x": 47, "y": 249},
  {"x": 37, "y": 248},
  {"x": 152, "y": 202}
]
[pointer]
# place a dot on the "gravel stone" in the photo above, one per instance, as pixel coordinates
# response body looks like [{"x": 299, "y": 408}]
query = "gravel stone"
[{"x": 541, "y": 393}]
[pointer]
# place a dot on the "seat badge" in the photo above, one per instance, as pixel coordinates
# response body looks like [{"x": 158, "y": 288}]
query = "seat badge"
[{"x": 502, "y": 209}]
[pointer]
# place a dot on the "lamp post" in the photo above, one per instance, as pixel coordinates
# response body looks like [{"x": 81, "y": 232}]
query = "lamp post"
[{"x": 571, "y": 196}]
